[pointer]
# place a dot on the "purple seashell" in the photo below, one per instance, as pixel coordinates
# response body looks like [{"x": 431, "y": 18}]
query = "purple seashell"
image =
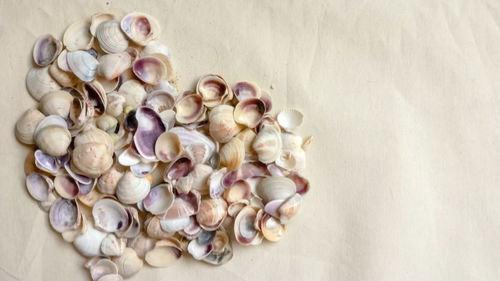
[
  {"x": 275, "y": 171},
  {"x": 77, "y": 177},
  {"x": 45, "y": 162},
  {"x": 301, "y": 183},
  {"x": 180, "y": 168},
  {"x": 63, "y": 160},
  {"x": 272, "y": 207},
  {"x": 252, "y": 169},
  {"x": 86, "y": 188},
  {"x": 149, "y": 128},
  {"x": 130, "y": 123},
  {"x": 64, "y": 215}
]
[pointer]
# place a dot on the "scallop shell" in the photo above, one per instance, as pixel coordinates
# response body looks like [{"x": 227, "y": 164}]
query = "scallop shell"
[
  {"x": 77, "y": 36},
  {"x": 83, "y": 65},
  {"x": 290, "y": 119},
  {"x": 39, "y": 82},
  {"x": 46, "y": 50},
  {"x": 132, "y": 189},
  {"x": 111, "y": 38}
]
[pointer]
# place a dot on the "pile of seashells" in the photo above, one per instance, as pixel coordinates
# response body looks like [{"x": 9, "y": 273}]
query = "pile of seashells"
[{"x": 131, "y": 171}]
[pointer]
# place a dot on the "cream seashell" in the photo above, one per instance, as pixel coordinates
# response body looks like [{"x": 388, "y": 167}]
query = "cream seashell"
[
  {"x": 150, "y": 70},
  {"x": 112, "y": 66},
  {"x": 274, "y": 188},
  {"x": 63, "y": 78},
  {"x": 213, "y": 90},
  {"x": 212, "y": 213},
  {"x": 97, "y": 19},
  {"x": 53, "y": 140},
  {"x": 56, "y": 103},
  {"x": 77, "y": 36},
  {"x": 91, "y": 159},
  {"x": 64, "y": 215},
  {"x": 108, "y": 85},
  {"x": 289, "y": 208},
  {"x": 168, "y": 147},
  {"x": 107, "y": 123},
  {"x": 103, "y": 267},
  {"x": 108, "y": 182},
  {"x": 128, "y": 263},
  {"x": 140, "y": 28},
  {"x": 155, "y": 47},
  {"x": 141, "y": 244},
  {"x": 62, "y": 61},
  {"x": 113, "y": 246},
  {"x": 39, "y": 82},
  {"x": 133, "y": 92},
  {"x": 94, "y": 135},
  {"x": 271, "y": 228},
  {"x": 83, "y": 65},
  {"x": 159, "y": 199},
  {"x": 222, "y": 126},
  {"x": 163, "y": 254},
  {"x": 244, "y": 229},
  {"x": 190, "y": 138},
  {"x": 246, "y": 90},
  {"x": 26, "y": 125},
  {"x": 89, "y": 243},
  {"x": 132, "y": 189},
  {"x": 115, "y": 104},
  {"x": 232, "y": 154},
  {"x": 111, "y": 38},
  {"x": 249, "y": 112},
  {"x": 267, "y": 145},
  {"x": 46, "y": 50},
  {"x": 110, "y": 216},
  {"x": 247, "y": 136},
  {"x": 189, "y": 109},
  {"x": 290, "y": 119}
]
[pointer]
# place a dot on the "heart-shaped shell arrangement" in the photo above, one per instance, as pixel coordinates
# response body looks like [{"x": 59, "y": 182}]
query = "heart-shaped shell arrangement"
[{"x": 130, "y": 171}]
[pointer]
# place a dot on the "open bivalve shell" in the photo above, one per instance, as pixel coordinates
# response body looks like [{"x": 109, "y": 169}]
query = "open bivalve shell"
[
  {"x": 111, "y": 38},
  {"x": 46, "y": 50},
  {"x": 140, "y": 28}
]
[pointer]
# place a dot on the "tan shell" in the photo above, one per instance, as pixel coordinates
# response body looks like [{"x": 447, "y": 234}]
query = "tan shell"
[
  {"x": 213, "y": 89},
  {"x": 77, "y": 36},
  {"x": 39, "y": 82},
  {"x": 244, "y": 229},
  {"x": 238, "y": 191},
  {"x": 46, "y": 50},
  {"x": 232, "y": 154},
  {"x": 189, "y": 109},
  {"x": 128, "y": 263},
  {"x": 97, "y": 19},
  {"x": 108, "y": 182},
  {"x": 168, "y": 147},
  {"x": 115, "y": 104},
  {"x": 53, "y": 140},
  {"x": 133, "y": 92},
  {"x": 94, "y": 135},
  {"x": 271, "y": 228},
  {"x": 267, "y": 145},
  {"x": 108, "y": 85},
  {"x": 273, "y": 188},
  {"x": 211, "y": 213},
  {"x": 141, "y": 244},
  {"x": 63, "y": 78},
  {"x": 111, "y": 38},
  {"x": 163, "y": 254},
  {"x": 249, "y": 112},
  {"x": 91, "y": 159},
  {"x": 150, "y": 70},
  {"x": 247, "y": 136},
  {"x": 26, "y": 125},
  {"x": 62, "y": 61},
  {"x": 57, "y": 103},
  {"x": 222, "y": 126},
  {"x": 113, "y": 65},
  {"x": 107, "y": 123},
  {"x": 132, "y": 189}
]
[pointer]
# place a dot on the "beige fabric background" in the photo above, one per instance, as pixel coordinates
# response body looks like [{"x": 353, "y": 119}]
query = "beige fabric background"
[{"x": 402, "y": 98}]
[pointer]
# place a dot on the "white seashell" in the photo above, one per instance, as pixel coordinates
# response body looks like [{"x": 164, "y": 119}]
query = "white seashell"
[
  {"x": 128, "y": 158},
  {"x": 133, "y": 92},
  {"x": 97, "y": 19},
  {"x": 132, "y": 189},
  {"x": 111, "y": 66},
  {"x": 56, "y": 103},
  {"x": 141, "y": 244},
  {"x": 77, "y": 36},
  {"x": 108, "y": 85},
  {"x": 115, "y": 104},
  {"x": 128, "y": 263},
  {"x": 195, "y": 138},
  {"x": 113, "y": 246},
  {"x": 83, "y": 65},
  {"x": 290, "y": 119},
  {"x": 273, "y": 188},
  {"x": 39, "y": 82},
  {"x": 46, "y": 50},
  {"x": 199, "y": 251},
  {"x": 140, "y": 28},
  {"x": 267, "y": 145},
  {"x": 108, "y": 182},
  {"x": 111, "y": 38},
  {"x": 26, "y": 125},
  {"x": 89, "y": 243},
  {"x": 39, "y": 186},
  {"x": 110, "y": 216},
  {"x": 101, "y": 268},
  {"x": 222, "y": 126}
]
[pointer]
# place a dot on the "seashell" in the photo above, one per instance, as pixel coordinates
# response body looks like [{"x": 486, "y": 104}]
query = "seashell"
[
  {"x": 91, "y": 159},
  {"x": 235, "y": 208},
  {"x": 160, "y": 100},
  {"x": 89, "y": 243},
  {"x": 94, "y": 135},
  {"x": 301, "y": 183},
  {"x": 246, "y": 90},
  {"x": 141, "y": 244},
  {"x": 213, "y": 90},
  {"x": 192, "y": 231},
  {"x": 289, "y": 208},
  {"x": 132, "y": 189},
  {"x": 90, "y": 198},
  {"x": 134, "y": 227},
  {"x": 274, "y": 170},
  {"x": 56, "y": 103},
  {"x": 238, "y": 191},
  {"x": 143, "y": 169},
  {"x": 64, "y": 215},
  {"x": 267, "y": 145},
  {"x": 83, "y": 65},
  {"x": 129, "y": 157},
  {"x": 46, "y": 50},
  {"x": 249, "y": 112},
  {"x": 103, "y": 267},
  {"x": 149, "y": 128},
  {"x": 163, "y": 254},
  {"x": 39, "y": 82},
  {"x": 107, "y": 123},
  {"x": 292, "y": 157},
  {"x": 200, "y": 175},
  {"x": 25, "y": 126},
  {"x": 184, "y": 184},
  {"x": 128, "y": 263},
  {"x": 168, "y": 147},
  {"x": 111, "y": 277},
  {"x": 247, "y": 136},
  {"x": 133, "y": 92},
  {"x": 272, "y": 207},
  {"x": 154, "y": 230},
  {"x": 63, "y": 78},
  {"x": 155, "y": 47},
  {"x": 108, "y": 85},
  {"x": 77, "y": 36},
  {"x": 232, "y": 154},
  {"x": 62, "y": 61},
  {"x": 110, "y": 216},
  {"x": 212, "y": 213},
  {"x": 51, "y": 120},
  {"x": 244, "y": 229},
  {"x": 271, "y": 228},
  {"x": 290, "y": 119},
  {"x": 268, "y": 101},
  {"x": 96, "y": 96},
  {"x": 189, "y": 109},
  {"x": 115, "y": 104},
  {"x": 97, "y": 19},
  {"x": 199, "y": 251},
  {"x": 307, "y": 143},
  {"x": 72, "y": 234},
  {"x": 111, "y": 38},
  {"x": 268, "y": 121},
  {"x": 53, "y": 140},
  {"x": 39, "y": 186},
  {"x": 113, "y": 246},
  {"x": 191, "y": 138},
  {"x": 215, "y": 183},
  {"x": 164, "y": 85},
  {"x": 150, "y": 70},
  {"x": 159, "y": 199},
  {"x": 111, "y": 66},
  {"x": 140, "y": 28},
  {"x": 177, "y": 169},
  {"x": 222, "y": 126},
  {"x": 66, "y": 186},
  {"x": 222, "y": 251},
  {"x": 273, "y": 188}
]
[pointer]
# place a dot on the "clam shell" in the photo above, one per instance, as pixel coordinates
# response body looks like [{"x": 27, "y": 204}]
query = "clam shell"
[
  {"x": 154, "y": 230},
  {"x": 215, "y": 183},
  {"x": 268, "y": 101},
  {"x": 267, "y": 145},
  {"x": 159, "y": 199},
  {"x": 222, "y": 126},
  {"x": 290, "y": 119},
  {"x": 141, "y": 244},
  {"x": 62, "y": 61},
  {"x": 91, "y": 159},
  {"x": 247, "y": 136},
  {"x": 132, "y": 189},
  {"x": 39, "y": 186},
  {"x": 128, "y": 263},
  {"x": 129, "y": 157},
  {"x": 83, "y": 65},
  {"x": 113, "y": 246},
  {"x": 168, "y": 147},
  {"x": 160, "y": 100},
  {"x": 155, "y": 47},
  {"x": 111, "y": 38},
  {"x": 200, "y": 175},
  {"x": 110, "y": 216},
  {"x": 271, "y": 228},
  {"x": 64, "y": 215},
  {"x": 289, "y": 208},
  {"x": 163, "y": 255},
  {"x": 94, "y": 135},
  {"x": 107, "y": 123},
  {"x": 249, "y": 112},
  {"x": 301, "y": 183},
  {"x": 246, "y": 90},
  {"x": 63, "y": 78},
  {"x": 111, "y": 66},
  {"x": 150, "y": 70},
  {"x": 199, "y": 251},
  {"x": 177, "y": 169},
  {"x": 89, "y": 243},
  {"x": 53, "y": 140},
  {"x": 46, "y": 50},
  {"x": 190, "y": 138},
  {"x": 192, "y": 231},
  {"x": 222, "y": 251},
  {"x": 39, "y": 82},
  {"x": 77, "y": 36},
  {"x": 56, "y": 103},
  {"x": 149, "y": 128},
  {"x": 101, "y": 268},
  {"x": 189, "y": 109},
  {"x": 212, "y": 213},
  {"x": 244, "y": 230},
  {"x": 213, "y": 89},
  {"x": 140, "y": 28},
  {"x": 273, "y": 188},
  {"x": 66, "y": 186},
  {"x": 96, "y": 96},
  {"x": 115, "y": 104},
  {"x": 239, "y": 190},
  {"x": 232, "y": 154},
  {"x": 133, "y": 92},
  {"x": 25, "y": 126},
  {"x": 97, "y": 19}
]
